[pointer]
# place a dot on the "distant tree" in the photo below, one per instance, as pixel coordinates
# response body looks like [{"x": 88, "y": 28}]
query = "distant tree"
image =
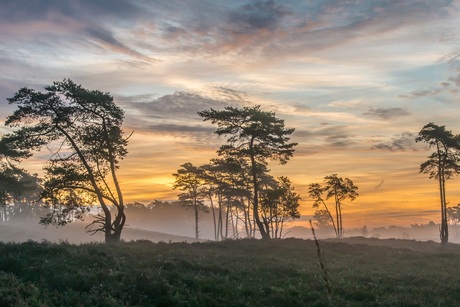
[
  {"x": 430, "y": 224},
  {"x": 315, "y": 191},
  {"x": 211, "y": 176},
  {"x": 16, "y": 184},
  {"x": 137, "y": 212},
  {"x": 441, "y": 165},
  {"x": 453, "y": 214},
  {"x": 279, "y": 205},
  {"x": 225, "y": 188},
  {"x": 18, "y": 192},
  {"x": 82, "y": 128},
  {"x": 365, "y": 232},
  {"x": 322, "y": 218},
  {"x": 8, "y": 183},
  {"x": 254, "y": 135},
  {"x": 189, "y": 179},
  {"x": 339, "y": 190}
]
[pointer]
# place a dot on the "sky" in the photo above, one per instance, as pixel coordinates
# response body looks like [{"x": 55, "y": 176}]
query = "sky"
[{"x": 357, "y": 79}]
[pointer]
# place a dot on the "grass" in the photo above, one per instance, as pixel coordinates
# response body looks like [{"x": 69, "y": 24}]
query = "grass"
[{"x": 361, "y": 272}]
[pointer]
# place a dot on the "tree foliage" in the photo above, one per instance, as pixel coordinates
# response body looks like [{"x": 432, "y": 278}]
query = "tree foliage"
[
  {"x": 256, "y": 136},
  {"x": 82, "y": 129}
]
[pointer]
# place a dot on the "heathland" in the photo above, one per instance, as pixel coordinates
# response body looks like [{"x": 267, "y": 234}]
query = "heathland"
[{"x": 248, "y": 272}]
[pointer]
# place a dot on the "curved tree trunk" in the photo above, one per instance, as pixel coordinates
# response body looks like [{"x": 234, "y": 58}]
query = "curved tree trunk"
[{"x": 260, "y": 225}]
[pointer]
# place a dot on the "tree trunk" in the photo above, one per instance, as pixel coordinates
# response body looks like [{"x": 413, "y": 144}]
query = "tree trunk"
[
  {"x": 340, "y": 220},
  {"x": 196, "y": 220},
  {"x": 113, "y": 237},
  {"x": 444, "y": 234},
  {"x": 247, "y": 225},
  {"x": 338, "y": 213},
  {"x": 260, "y": 225},
  {"x": 443, "y": 231},
  {"x": 227, "y": 216},
  {"x": 332, "y": 219},
  {"x": 216, "y": 237},
  {"x": 220, "y": 223}
]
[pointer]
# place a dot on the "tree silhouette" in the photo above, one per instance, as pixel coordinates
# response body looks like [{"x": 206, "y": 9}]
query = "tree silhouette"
[
  {"x": 254, "y": 135},
  {"x": 227, "y": 183},
  {"x": 189, "y": 179},
  {"x": 279, "y": 204},
  {"x": 82, "y": 128},
  {"x": 322, "y": 218},
  {"x": 339, "y": 190},
  {"x": 441, "y": 165}
]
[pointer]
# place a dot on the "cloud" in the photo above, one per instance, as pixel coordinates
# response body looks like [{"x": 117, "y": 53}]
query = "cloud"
[
  {"x": 108, "y": 40},
  {"x": 452, "y": 84},
  {"x": 175, "y": 116},
  {"x": 401, "y": 142},
  {"x": 425, "y": 93},
  {"x": 272, "y": 28},
  {"x": 379, "y": 185},
  {"x": 254, "y": 17},
  {"x": 182, "y": 105},
  {"x": 336, "y": 137},
  {"x": 455, "y": 81},
  {"x": 387, "y": 113},
  {"x": 74, "y": 23},
  {"x": 179, "y": 129},
  {"x": 212, "y": 28},
  {"x": 20, "y": 11}
]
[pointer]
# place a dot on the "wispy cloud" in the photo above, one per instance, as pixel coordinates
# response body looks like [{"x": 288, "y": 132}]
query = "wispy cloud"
[
  {"x": 430, "y": 92},
  {"x": 182, "y": 105},
  {"x": 402, "y": 142},
  {"x": 387, "y": 113},
  {"x": 327, "y": 137}
]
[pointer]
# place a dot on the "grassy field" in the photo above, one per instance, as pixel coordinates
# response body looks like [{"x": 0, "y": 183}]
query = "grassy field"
[{"x": 361, "y": 272}]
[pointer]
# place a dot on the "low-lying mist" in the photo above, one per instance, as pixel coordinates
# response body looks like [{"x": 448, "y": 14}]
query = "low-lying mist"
[{"x": 176, "y": 224}]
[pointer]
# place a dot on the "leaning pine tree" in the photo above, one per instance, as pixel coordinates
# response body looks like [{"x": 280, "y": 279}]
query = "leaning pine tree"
[
  {"x": 441, "y": 165},
  {"x": 82, "y": 128}
]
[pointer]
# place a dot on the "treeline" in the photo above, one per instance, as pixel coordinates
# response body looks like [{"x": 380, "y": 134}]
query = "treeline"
[
  {"x": 82, "y": 130},
  {"x": 223, "y": 188}
]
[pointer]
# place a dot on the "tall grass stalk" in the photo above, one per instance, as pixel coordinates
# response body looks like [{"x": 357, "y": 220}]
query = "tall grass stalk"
[{"x": 322, "y": 265}]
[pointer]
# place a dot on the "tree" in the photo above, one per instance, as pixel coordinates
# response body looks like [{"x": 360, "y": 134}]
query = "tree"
[
  {"x": 441, "y": 165},
  {"x": 322, "y": 218},
  {"x": 19, "y": 191},
  {"x": 254, "y": 135},
  {"x": 278, "y": 205},
  {"x": 218, "y": 178},
  {"x": 453, "y": 214},
  {"x": 82, "y": 128},
  {"x": 340, "y": 190},
  {"x": 189, "y": 178}
]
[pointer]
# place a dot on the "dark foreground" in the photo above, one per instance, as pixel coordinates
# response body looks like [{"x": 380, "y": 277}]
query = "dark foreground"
[{"x": 361, "y": 272}]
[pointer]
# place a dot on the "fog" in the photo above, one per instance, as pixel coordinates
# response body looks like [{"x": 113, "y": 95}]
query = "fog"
[{"x": 173, "y": 222}]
